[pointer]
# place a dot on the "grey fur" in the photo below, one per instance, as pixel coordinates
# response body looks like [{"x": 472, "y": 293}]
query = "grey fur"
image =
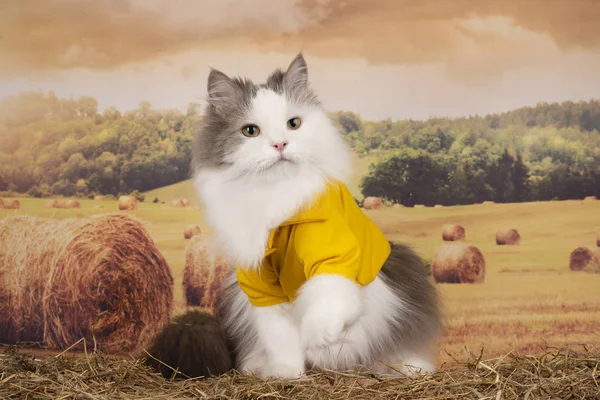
[{"x": 229, "y": 101}]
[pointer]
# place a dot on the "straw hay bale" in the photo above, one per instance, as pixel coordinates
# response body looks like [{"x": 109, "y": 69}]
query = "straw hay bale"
[
  {"x": 398, "y": 205},
  {"x": 438, "y": 206},
  {"x": 372, "y": 203},
  {"x": 451, "y": 232},
  {"x": 99, "y": 198},
  {"x": 419, "y": 206},
  {"x": 127, "y": 203},
  {"x": 191, "y": 230},
  {"x": 458, "y": 263},
  {"x": 11, "y": 204},
  {"x": 204, "y": 274},
  {"x": 185, "y": 202},
  {"x": 489, "y": 202},
  {"x": 508, "y": 236},
  {"x": 585, "y": 258},
  {"x": 72, "y": 204},
  {"x": 51, "y": 203},
  {"x": 598, "y": 239},
  {"x": 101, "y": 278},
  {"x": 177, "y": 203},
  {"x": 590, "y": 198}
]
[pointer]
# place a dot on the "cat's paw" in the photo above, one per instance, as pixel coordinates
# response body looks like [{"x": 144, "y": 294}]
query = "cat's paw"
[
  {"x": 328, "y": 305},
  {"x": 283, "y": 371}
]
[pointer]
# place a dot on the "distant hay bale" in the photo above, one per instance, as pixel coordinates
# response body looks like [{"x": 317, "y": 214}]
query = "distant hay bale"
[
  {"x": 204, "y": 274},
  {"x": 585, "y": 258},
  {"x": 185, "y": 202},
  {"x": 489, "y": 202},
  {"x": 127, "y": 203},
  {"x": 419, "y": 206},
  {"x": 99, "y": 198},
  {"x": 177, "y": 203},
  {"x": 72, "y": 204},
  {"x": 11, "y": 204},
  {"x": 508, "y": 236},
  {"x": 590, "y": 198},
  {"x": 458, "y": 263},
  {"x": 397, "y": 205},
  {"x": 438, "y": 206},
  {"x": 51, "y": 203},
  {"x": 191, "y": 230},
  {"x": 100, "y": 278},
  {"x": 372, "y": 203},
  {"x": 451, "y": 233}
]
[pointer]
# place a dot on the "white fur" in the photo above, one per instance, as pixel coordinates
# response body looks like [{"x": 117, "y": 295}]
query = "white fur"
[
  {"x": 257, "y": 193},
  {"x": 271, "y": 348},
  {"x": 326, "y": 306}
]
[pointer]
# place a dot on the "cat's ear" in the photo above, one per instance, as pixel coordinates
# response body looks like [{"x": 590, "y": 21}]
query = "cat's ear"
[
  {"x": 221, "y": 88},
  {"x": 297, "y": 72}
]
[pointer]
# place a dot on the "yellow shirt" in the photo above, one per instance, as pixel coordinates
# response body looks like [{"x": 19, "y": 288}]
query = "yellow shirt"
[{"x": 332, "y": 235}]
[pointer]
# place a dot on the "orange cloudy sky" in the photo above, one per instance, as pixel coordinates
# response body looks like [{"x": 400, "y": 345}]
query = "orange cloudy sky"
[{"x": 380, "y": 58}]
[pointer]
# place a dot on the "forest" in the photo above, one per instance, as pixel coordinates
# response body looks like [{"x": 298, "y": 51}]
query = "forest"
[{"x": 53, "y": 146}]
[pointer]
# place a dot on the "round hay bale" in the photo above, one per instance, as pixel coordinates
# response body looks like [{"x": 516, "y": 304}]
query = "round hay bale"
[
  {"x": 99, "y": 198},
  {"x": 191, "y": 230},
  {"x": 72, "y": 204},
  {"x": 185, "y": 202},
  {"x": 204, "y": 274},
  {"x": 489, "y": 202},
  {"x": 51, "y": 203},
  {"x": 397, "y": 205},
  {"x": 177, "y": 203},
  {"x": 585, "y": 258},
  {"x": 438, "y": 206},
  {"x": 451, "y": 233},
  {"x": 11, "y": 204},
  {"x": 127, "y": 203},
  {"x": 458, "y": 263},
  {"x": 419, "y": 206},
  {"x": 372, "y": 203},
  {"x": 590, "y": 198},
  {"x": 100, "y": 278},
  {"x": 508, "y": 236},
  {"x": 598, "y": 239}
]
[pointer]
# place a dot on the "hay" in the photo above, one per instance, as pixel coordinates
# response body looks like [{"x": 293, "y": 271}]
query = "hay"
[
  {"x": 177, "y": 203},
  {"x": 397, "y": 205},
  {"x": 191, "y": 230},
  {"x": 489, "y": 202},
  {"x": 372, "y": 203},
  {"x": 557, "y": 374},
  {"x": 100, "y": 278},
  {"x": 185, "y": 202},
  {"x": 11, "y": 204},
  {"x": 585, "y": 258},
  {"x": 203, "y": 275},
  {"x": 438, "y": 206},
  {"x": 419, "y": 206},
  {"x": 99, "y": 198},
  {"x": 51, "y": 203},
  {"x": 72, "y": 204},
  {"x": 451, "y": 232},
  {"x": 590, "y": 198},
  {"x": 1, "y": 203},
  {"x": 598, "y": 239},
  {"x": 127, "y": 203},
  {"x": 458, "y": 263},
  {"x": 508, "y": 236}
]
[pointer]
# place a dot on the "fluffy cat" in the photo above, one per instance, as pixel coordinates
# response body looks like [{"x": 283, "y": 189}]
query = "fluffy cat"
[{"x": 263, "y": 154}]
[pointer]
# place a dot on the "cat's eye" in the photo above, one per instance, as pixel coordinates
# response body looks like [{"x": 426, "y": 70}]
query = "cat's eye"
[
  {"x": 294, "y": 123},
  {"x": 251, "y": 130}
]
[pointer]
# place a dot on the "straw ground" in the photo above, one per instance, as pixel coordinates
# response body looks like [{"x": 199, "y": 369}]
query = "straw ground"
[{"x": 529, "y": 298}]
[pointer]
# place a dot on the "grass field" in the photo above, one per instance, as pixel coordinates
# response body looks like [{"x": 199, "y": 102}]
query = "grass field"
[{"x": 529, "y": 297}]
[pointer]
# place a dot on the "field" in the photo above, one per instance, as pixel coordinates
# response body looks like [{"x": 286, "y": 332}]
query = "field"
[{"x": 529, "y": 299}]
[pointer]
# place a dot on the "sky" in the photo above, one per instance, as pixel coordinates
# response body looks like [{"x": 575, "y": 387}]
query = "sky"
[{"x": 379, "y": 58}]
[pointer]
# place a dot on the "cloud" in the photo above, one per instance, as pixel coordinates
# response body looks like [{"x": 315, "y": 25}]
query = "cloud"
[{"x": 488, "y": 36}]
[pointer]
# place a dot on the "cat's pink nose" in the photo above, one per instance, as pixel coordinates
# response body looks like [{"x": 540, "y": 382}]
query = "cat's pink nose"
[{"x": 280, "y": 146}]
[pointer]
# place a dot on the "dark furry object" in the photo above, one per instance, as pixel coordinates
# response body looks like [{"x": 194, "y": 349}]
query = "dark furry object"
[{"x": 194, "y": 344}]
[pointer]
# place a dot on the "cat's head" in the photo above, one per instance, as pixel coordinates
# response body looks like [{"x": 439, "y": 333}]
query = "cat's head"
[{"x": 268, "y": 131}]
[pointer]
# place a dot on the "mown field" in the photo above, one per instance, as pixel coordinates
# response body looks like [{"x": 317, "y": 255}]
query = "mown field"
[{"x": 529, "y": 298}]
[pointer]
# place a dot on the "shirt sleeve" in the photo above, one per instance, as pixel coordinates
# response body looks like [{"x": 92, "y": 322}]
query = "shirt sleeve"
[
  {"x": 328, "y": 247},
  {"x": 261, "y": 286}
]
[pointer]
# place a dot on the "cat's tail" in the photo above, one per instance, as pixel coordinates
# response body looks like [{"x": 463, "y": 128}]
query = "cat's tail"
[{"x": 192, "y": 345}]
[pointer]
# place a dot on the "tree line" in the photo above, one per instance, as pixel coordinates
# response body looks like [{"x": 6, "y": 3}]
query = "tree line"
[{"x": 53, "y": 146}]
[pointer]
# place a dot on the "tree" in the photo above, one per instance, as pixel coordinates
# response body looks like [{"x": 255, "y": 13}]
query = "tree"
[{"x": 520, "y": 179}]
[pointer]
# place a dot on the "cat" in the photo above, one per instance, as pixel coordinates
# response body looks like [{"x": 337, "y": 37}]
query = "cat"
[{"x": 328, "y": 291}]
